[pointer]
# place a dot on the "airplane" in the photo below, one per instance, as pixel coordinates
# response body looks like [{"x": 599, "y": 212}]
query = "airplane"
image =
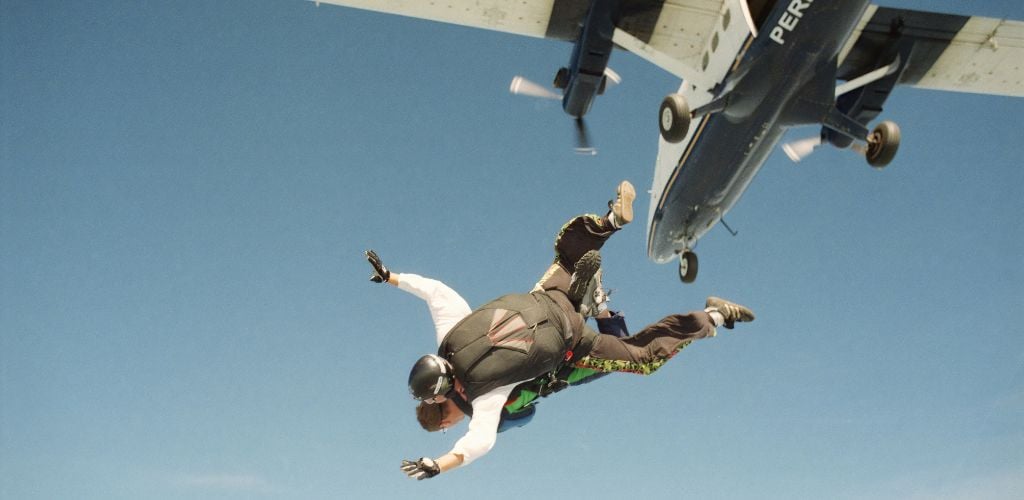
[{"x": 750, "y": 70}]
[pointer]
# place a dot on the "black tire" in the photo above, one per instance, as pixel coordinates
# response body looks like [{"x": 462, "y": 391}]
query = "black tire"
[
  {"x": 674, "y": 118},
  {"x": 883, "y": 144},
  {"x": 688, "y": 267}
]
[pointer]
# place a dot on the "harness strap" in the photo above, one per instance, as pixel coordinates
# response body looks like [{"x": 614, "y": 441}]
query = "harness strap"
[
  {"x": 556, "y": 379},
  {"x": 462, "y": 404},
  {"x": 573, "y": 336}
]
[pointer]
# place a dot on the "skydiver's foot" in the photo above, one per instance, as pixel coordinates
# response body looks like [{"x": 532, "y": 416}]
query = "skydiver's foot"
[
  {"x": 595, "y": 300},
  {"x": 730, "y": 312},
  {"x": 621, "y": 209},
  {"x": 583, "y": 274}
]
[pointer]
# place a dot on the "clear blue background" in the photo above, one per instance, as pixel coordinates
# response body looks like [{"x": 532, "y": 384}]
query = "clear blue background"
[{"x": 187, "y": 188}]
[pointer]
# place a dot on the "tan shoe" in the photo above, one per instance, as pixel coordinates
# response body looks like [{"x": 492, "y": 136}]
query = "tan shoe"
[
  {"x": 732, "y": 312},
  {"x": 622, "y": 207}
]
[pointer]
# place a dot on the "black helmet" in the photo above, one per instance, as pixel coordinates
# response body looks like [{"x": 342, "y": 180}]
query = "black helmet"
[{"x": 430, "y": 376}]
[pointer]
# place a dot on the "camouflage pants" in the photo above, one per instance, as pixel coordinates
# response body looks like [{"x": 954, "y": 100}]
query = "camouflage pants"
[{"x": 646, "y": 351}]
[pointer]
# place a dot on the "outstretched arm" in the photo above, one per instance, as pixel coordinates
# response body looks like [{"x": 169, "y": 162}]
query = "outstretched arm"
[
  {"x": 478, "y": 440},
  {"x": 446, "y": 306}
]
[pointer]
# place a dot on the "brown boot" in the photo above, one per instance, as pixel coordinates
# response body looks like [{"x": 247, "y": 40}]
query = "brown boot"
[{"x": 586, "y": 268}]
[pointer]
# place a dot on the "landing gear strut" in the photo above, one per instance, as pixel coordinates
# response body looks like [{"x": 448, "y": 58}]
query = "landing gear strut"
[{"x": 687, "y": 266}]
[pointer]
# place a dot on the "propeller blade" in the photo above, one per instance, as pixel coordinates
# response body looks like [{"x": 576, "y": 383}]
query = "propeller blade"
[
  {"x": 583, "y": 146},
  {"x": 798, "y": 150},
  {"x": 522, "y": 86},
  {"x": 611, "y": 76}
]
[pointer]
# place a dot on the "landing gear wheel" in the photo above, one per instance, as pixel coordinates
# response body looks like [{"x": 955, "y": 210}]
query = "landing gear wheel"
[
  {"x": 687, "y": 267},
  {"x": 674, "y": 118},
  {"x": 883, "y": 143}
]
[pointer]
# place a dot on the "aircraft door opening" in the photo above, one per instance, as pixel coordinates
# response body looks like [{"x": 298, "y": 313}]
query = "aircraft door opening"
[{"x": 756, "y": 13}]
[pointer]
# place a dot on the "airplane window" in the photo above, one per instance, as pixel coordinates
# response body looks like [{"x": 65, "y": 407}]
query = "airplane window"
[
  {"x": 714, "y": 42},
  {"x": 725, "y": 19},
  {"x": 704, "y": 65}
]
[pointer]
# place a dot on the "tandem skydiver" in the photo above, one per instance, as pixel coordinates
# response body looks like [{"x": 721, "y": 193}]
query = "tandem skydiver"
[{"x": 486, "y": 353}]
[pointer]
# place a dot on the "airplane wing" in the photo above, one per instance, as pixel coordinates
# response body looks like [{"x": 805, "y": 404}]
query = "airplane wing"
[
  {"x": 943, "y": 51},
  {"x": 529, "y": 17},
  {"x": 677, "y": 30}
]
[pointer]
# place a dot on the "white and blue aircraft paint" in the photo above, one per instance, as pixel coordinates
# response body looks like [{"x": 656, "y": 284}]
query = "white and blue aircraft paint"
[{"x": 750, "y": 69}]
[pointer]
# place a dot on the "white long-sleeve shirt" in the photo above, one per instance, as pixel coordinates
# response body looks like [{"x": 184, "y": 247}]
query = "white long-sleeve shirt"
[{"x": 446, "y": 309}]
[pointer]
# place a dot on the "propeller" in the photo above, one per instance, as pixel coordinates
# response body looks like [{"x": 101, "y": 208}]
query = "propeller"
[
  {"x": 583, "y": 146},
  {"x": 522, "y": 86},
  {"x": 611, "y": 76},
  {"x": 798, "y": 150}
]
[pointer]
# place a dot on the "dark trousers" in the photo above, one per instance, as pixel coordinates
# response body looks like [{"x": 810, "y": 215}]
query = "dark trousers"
[
  {"x": 642, "y": 353},
  {"x": 580, "y": 235},
  {"x": 646, "y": 351}
]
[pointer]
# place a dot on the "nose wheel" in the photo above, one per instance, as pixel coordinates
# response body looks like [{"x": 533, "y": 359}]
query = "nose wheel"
[
  {"x": 687, "y": 267},
  {"x": 674, "y": 118}
]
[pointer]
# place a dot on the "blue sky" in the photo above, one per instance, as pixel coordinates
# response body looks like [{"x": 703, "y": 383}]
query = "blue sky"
[{"x": 186, "y": 189}]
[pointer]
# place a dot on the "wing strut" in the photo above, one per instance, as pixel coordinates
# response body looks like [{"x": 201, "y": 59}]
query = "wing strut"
[{"x": 869, "y": 77}]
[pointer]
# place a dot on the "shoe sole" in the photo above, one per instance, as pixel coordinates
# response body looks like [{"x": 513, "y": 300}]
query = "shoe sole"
[
  {"x": 589, "y": 303},
  {"x": 585, "y": 270},
  {"x": 626, "y": 194}
]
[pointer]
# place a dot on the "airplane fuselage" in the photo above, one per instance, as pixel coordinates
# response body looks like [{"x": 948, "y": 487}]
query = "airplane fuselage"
[{"x": 783, "y": 77}]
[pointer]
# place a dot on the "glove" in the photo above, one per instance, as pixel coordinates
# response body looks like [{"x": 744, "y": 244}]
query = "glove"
[
  {"x": 420, "y": 469},
  {"x": 380, "y": 273}
]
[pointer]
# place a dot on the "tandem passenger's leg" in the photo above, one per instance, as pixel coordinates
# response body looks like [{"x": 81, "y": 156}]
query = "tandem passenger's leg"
[
  {"x": 653, "y": 346},
  {"x": 649, "y": 349},
  {"x": 584, "y": 233}
]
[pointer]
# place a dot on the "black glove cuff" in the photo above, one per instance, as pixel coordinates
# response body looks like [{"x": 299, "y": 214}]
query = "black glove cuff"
[{"x": 429, "y": 466}]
